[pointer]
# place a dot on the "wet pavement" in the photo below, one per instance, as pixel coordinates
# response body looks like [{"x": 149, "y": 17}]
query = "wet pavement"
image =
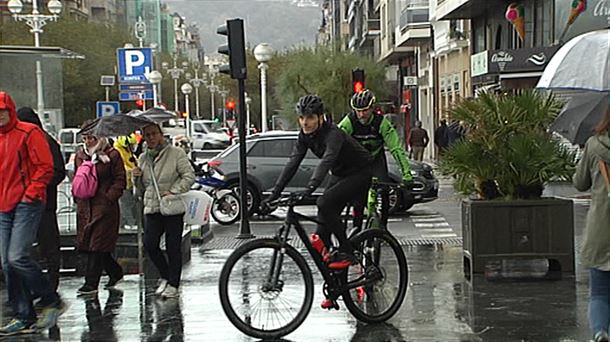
[{"x": 440, "y": 304}]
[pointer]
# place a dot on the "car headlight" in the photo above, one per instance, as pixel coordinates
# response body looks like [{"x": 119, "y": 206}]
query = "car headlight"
[{"x": 414, "y": 173}]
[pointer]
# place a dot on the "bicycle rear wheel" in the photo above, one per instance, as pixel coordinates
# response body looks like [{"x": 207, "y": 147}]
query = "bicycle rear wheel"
[
  {"x": 383, "y": 269},
  {"x": 253, "y": 302}
]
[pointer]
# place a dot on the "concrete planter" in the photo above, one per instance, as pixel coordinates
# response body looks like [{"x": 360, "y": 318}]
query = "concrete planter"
[{"x": 496, "y": 231}]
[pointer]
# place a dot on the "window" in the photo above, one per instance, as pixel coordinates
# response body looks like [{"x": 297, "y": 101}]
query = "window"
[
  {"x": 543, "y": 31},
  {"x": 198, "y": 128},
  {"x": 280, "y": 148}
]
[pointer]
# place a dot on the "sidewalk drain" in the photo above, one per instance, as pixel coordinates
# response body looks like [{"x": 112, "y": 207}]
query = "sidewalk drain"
[{"x": 226, "y": 242}]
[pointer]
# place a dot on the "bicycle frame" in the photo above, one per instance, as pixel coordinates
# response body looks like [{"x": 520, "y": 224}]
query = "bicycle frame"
[{"x": 336, "y": 287}]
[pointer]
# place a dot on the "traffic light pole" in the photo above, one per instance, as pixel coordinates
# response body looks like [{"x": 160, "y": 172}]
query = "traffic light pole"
[{"x": 244, "y": 224}]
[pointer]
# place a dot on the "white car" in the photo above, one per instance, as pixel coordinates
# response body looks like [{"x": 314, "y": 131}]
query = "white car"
[{"x": 207, "y": 134}]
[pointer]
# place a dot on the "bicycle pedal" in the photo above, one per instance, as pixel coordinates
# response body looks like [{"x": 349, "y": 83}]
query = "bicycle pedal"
[{"x": 329, "y": 304}]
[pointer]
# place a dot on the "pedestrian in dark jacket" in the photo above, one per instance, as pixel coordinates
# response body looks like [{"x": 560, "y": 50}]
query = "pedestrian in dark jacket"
[
  {"x": 98, "y": 217},
  {"x": 440, "y": 138},
  {"x": 26, "y": 168},
  {"x": 418, "y": 140},
  {"x": 48, "y": 231}
]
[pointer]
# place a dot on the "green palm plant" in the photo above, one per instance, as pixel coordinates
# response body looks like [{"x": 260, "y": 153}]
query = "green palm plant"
[{"x": 507, "y": 151}]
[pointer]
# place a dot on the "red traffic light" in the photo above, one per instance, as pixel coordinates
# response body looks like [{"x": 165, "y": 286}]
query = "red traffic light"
[
  {"x": 358, "y": 87},
  {"x": 230, "y": 104},
  {"x": 140, "y": 103}
]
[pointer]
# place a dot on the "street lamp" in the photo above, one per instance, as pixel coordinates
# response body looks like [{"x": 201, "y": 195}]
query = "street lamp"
[
  {"x": 198, "y": 82},
  {"x": 155, "y": 78},
  {"x": 263, "y": 53},
  {"x": 36, "y": 22},
  {"x": 186, "y": 90},
  {"x": 212, "y": 72},
  {"x": 248, "y": 101},
  {"x": 175, "y": 73},
  {"x": 223, "y": 94}
]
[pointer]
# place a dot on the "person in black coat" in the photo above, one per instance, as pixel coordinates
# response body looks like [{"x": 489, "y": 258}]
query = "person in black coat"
[
  {"x": 48, "y": 231},
  {"x": 441, "y": 139}
]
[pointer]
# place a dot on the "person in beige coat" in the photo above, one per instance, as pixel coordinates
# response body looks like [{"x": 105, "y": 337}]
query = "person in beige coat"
[
  {"x": 174, "y": 175},
  {"x": 592, "y": 173}
]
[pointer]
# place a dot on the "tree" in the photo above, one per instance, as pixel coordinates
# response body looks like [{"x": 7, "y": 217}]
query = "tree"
[
  {"x": 327, "y": 73},
  {"x": 97, "y": 42}
]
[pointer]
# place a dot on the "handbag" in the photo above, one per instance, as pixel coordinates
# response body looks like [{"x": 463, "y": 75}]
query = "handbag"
[{"x": 171, "y": 204}]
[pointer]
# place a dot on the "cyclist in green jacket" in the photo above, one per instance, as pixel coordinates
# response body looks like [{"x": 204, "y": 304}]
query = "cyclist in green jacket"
[{"x": 373, "y": 132}]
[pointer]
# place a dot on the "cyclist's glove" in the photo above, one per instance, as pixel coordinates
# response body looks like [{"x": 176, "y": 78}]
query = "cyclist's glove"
[
  {"x": 303, "y": 193},
  {"x": 265, "y": 206}
]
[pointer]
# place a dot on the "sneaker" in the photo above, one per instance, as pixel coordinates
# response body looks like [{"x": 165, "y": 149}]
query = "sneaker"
[
  {"x": 341, "y": 261},
  {"x": 170, "y": 292},
  {"x": 17, "y": 327},
  {"x": 86, "y": 290},
  {"x": 601, "y": 336},
  {"x": 50, "y": 314},
  {"x": 161, "y": 285},
  {"x": 112, "y": 282}
]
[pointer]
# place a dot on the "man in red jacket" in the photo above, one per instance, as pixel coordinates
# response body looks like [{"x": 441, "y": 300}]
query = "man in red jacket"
[{"x": 26, "y": 167}]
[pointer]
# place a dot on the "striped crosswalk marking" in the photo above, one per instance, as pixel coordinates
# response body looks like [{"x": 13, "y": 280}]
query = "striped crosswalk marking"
[{"x": 432, "y": 225}]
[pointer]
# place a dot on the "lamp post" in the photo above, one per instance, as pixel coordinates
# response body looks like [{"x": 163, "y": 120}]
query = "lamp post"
[
  {"x": 248, "y": 101},
  {"x": 223, "y": 93},
  {"x": 36, "y": 22},
  {"x": 175, "y": 73},
  {"x": 213, "y": 88},
  {"x": 198, "y": 82},
  {"x": 186, "y": 89},
  {"x": 263, "y": 53},
  {"x": 155, "y": 78}
]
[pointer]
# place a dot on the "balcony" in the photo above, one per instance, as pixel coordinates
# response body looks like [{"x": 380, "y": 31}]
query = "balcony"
[{"x": 416, "y": 13}]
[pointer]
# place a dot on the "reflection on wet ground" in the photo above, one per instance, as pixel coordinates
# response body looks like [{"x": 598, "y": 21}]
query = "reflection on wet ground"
[{"x": 440, "y": 306}]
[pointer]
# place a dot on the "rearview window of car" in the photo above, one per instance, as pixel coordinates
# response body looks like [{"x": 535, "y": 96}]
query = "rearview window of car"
[{"x": 280, "y": 148}]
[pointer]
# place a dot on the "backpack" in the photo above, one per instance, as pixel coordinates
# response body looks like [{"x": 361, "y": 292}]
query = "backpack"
[{"x": 84, "y": 185}]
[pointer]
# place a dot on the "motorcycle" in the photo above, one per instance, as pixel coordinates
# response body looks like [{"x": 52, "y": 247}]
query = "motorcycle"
[{"x": 225, "y": 202}]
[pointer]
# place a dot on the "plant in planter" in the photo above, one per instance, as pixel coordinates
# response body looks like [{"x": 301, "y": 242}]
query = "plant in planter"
[{"x": 502, "y": 165}]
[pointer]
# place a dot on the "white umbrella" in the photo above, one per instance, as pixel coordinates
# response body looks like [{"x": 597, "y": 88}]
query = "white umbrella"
[{"x": 583, "y": 63}]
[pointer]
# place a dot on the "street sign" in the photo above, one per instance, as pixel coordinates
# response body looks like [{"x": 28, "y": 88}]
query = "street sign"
[
  {"x": 134, "y": 64},
  {"x": 107, "y": 80},
  {"x": 135, "y": 87},
  {"x": 231, "y": 123},
  {"x": 107, "y": 108},
  {"x": 132, "y": 96}
]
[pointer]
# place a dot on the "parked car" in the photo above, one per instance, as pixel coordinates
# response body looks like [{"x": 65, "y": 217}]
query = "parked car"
[
  {"x": 69, "y": 140},
  {"x": 268, "y": 154},
  {"x": 208, "y": 134}
]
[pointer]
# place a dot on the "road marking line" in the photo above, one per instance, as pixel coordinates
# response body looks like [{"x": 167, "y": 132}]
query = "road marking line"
[
  {"x": 436, "y": 219},
  {"x": 432, "y": 236},
  {"x": 425, "y": 225},
  {"x": 438, "y": 230}
]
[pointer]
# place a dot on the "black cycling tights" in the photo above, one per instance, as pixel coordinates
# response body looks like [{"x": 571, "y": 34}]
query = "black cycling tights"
[{"x": 339, "y": 192}]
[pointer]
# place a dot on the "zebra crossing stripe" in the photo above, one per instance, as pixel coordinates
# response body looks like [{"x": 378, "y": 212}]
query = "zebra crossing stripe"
[
  {"x": 438, "y": 230},
  {"x": 437, "y": 236},
  {"x": 430, "y": 225},
  {"x": 436, "y": 219}
]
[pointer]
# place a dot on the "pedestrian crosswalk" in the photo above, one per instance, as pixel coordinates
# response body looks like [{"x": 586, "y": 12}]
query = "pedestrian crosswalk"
[{"x": 432, "y": 225}]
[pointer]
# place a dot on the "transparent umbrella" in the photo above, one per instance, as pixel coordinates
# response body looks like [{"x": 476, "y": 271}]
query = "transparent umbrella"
[
  {"x": 583, "y": 63},
  {"x": 156, "y": 114},
  {"x": 115, "y": 125},
  {"x": 580, "y": 116}
]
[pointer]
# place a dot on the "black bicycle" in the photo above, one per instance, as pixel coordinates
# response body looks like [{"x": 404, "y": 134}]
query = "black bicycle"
[{"x": 266, "y": 286}]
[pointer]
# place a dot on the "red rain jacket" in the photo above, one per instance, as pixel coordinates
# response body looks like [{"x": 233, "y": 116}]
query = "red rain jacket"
[{"x": 26, "y": 163}]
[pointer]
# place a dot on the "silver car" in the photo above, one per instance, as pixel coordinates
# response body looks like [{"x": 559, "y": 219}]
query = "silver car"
[{"x": 268, "y": 153}]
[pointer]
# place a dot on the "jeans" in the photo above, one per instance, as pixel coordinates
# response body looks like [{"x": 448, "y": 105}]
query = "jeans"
[
  {"x": 337, "y": 194},
  {"x": 155, "y": 225},
  {"x": 599, "y": 303},
  {"x": 24, "y": 279}
]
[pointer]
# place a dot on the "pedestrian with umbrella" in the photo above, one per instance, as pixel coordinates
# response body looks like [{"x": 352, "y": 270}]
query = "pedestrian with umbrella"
[
  {"x": 592, "y": 174},
  {"x": 98, "y": 216}
]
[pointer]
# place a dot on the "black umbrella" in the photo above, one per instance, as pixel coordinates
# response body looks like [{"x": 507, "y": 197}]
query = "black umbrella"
[
  {"x": 115, "y": 125},
  {"x": 580, "y": 116},
  {"x": 156, "y": 114}
]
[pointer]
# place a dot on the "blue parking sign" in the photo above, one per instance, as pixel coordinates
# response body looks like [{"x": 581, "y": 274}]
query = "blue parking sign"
[
  {"x": 106, "y": 108},
  {"x": 134, "y": 64}
]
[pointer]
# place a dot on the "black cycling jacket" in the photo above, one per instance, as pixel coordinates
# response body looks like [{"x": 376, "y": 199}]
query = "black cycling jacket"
[{"x": 340, "y": 154}]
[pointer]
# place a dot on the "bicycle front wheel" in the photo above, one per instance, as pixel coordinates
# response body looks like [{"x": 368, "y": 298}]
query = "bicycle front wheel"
[
  {"x": 266, "y": 289},
  {"x": 383, "y": 274}
]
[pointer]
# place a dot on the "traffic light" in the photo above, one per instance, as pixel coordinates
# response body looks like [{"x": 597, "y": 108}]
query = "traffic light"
[
  {"x": 230, "y": 104},
  {"x": 140, "y": 103},
  {"x": 235, "y": 49},
  {"x": 357, "y": 80}
]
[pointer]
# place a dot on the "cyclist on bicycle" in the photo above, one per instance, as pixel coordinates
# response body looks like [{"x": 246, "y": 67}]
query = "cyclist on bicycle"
[
  {"x": 348, "y": 163},
  {"x": 373, "y": 132}
]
